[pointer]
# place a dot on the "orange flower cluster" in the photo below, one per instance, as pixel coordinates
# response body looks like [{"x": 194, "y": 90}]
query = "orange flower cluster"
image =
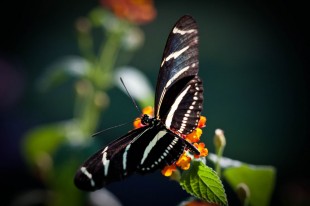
[
  {"x": 136, "y": 11},
  {"x": 184, "y": 161},
  {"x": 185, "y": 158}
]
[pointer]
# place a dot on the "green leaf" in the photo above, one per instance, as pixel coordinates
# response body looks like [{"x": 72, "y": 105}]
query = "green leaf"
[
  {"x": 259, "y": 180},
  {"x": 54, "y": 156},
  {"x": 202, "y": 182},
  {"x": 40, "y": 142},
  {"x": 67, "y": 159}
]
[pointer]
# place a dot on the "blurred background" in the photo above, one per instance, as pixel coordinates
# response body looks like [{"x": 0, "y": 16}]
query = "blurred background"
[{"x": 254, "y": 58}]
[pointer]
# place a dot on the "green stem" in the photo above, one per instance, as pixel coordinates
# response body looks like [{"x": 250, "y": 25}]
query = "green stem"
[
  {"x": 109, "y": 51},
  {"x": 85, "y": 43},
  {"x": 87, "y": 112},
  {"x": 108, "y": 55},
  {"x": 219, "y": 153},
  {"x": 89, "y": 118},
  {"x": 84, "y": 107}
]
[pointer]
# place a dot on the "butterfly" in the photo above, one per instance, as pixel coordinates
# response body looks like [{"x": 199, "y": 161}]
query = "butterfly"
[{"x": 178, "y": 106}]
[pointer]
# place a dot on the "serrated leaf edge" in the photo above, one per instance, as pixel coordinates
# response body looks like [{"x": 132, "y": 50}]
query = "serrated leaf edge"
[
  {"x": 187, "y": 186},
  {"x": 213, "y": 187}
]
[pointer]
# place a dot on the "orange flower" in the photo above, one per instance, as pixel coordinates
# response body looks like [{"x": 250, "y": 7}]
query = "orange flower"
[
  {"x": 194, "y": 136},
  {"x": 136, "y": 11},
  {"x": 167, "y": 171},
  {"x": 201, "y": 147},
  {"x": 137, "y": 123},
  {"x": 184, "y": 162},
  {"x": 148, "y": 110},
  {"x": 202, "y": 122}
]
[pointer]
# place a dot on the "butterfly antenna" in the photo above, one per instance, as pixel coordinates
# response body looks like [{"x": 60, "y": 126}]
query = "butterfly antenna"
[
  {"x": 135, "y": 104},
  {"x": 120, "y": 125},
  {"x": 132, "y": 99}
]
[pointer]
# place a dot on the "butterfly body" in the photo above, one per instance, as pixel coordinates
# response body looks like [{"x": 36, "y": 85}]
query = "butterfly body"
[{"x": 178, "y": 105}]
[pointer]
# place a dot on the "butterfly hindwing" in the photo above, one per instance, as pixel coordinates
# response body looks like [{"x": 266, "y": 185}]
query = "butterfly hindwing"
[
  {"x": 164, "y": 149},
  {"x": 186, "y": 107}
]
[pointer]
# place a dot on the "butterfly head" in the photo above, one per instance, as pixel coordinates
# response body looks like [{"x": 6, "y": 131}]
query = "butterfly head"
[{"x": 147, "y": 120}]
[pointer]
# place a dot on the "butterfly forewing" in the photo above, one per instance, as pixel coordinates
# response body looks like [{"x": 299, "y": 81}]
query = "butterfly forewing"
[
  {"x": 143, "y": 150},
  {"x": 180, "y": 59},
  {"x": 106, "y": 165}
]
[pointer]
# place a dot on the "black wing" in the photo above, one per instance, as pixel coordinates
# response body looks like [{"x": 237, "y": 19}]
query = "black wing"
[
  {"x": 185, "y": 106},
  {"x": 105, "y": 166},
  {"x": 178, "y": 97},
  {"x": 143, "y": 150}
]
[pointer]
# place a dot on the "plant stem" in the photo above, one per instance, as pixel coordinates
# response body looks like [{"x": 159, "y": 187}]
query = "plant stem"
[
  {"x": 219, "y": 153},
  {"x": 89, "y": 112},
  {"x": 107, "y": 58},
  {"x": 85, "y": 43}
]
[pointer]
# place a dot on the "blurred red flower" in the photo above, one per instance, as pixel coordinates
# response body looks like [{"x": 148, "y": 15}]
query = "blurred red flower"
[
  {"x": 136, "y": 11},
  {"x": 200, "y": 203}
]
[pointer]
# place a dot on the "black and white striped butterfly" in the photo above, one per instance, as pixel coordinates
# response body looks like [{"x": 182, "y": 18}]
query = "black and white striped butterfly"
[{"x": 178, "y": 105}]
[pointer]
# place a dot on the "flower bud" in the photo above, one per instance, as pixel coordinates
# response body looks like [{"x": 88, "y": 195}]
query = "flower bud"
[
  {"x": 82, "y": 87},
  {"x": 101, "y": 99},
  {"x": 219, "y": 139},
  {"x": 83, "y": 25},
  {"x": 133, "y": 39}
]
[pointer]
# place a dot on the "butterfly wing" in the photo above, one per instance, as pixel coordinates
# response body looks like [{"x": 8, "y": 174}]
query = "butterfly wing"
[
  {"x": 186, "y": 106},
  {"x": 167, "y": 149},
  {"x": 143, "y": 150},
  {"x": 106, "y": 165},
  {"x": 178, "y": 97}
]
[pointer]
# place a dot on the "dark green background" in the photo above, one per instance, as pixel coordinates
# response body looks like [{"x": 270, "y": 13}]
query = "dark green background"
[{"x": 254, "y": 59}]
